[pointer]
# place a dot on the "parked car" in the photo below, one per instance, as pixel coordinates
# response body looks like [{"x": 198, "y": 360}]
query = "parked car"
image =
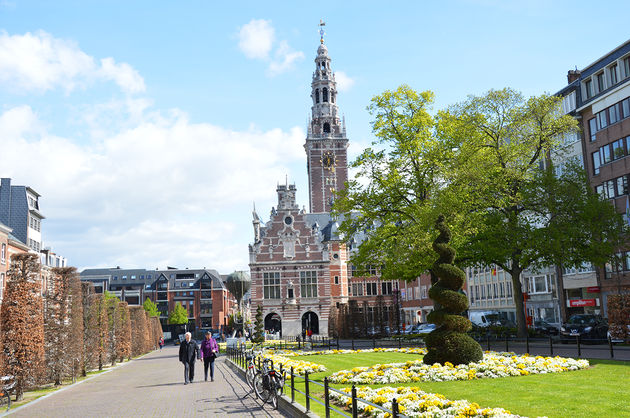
[
  {"x": 412, "y": 329},
  {"x": 426, "y": 328},
  {"x": 543, "y": 327},
  {"x": 484, "y": 318},
  {"x": 590, "y": 328}
]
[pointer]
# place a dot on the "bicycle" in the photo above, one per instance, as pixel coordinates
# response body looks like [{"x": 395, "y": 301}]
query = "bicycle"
[
  {"x": 269, "y": 383},
  {"x": 250, "y": 368},
  {"x": 5, "y": 391}
]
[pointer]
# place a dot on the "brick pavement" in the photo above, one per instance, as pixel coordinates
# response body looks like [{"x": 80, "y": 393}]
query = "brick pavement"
[{"x": 152, "y": 386}]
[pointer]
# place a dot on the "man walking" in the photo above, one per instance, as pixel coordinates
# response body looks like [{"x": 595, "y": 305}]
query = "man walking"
[{"x": 188, "y": 354}]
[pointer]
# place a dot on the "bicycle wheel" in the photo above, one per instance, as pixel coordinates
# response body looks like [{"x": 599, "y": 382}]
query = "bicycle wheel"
[
  {"x": 261, "y": 388},
  {"x": 5, "y": 400},
  {"x": 273, "y": 398},
  {"x": 249, "y": 375}
]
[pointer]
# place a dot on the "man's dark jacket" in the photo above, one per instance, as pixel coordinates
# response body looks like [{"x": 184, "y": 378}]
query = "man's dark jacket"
[{"x": 188, "y": 351}]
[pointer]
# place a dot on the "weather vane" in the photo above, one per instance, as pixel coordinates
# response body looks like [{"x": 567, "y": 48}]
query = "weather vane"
[{"x": 321, "y": 30}]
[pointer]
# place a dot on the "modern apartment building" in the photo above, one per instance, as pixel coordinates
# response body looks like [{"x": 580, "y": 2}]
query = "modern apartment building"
[
  {"x": 19, "y": 210},
  {"x": 201, "y": 292}
]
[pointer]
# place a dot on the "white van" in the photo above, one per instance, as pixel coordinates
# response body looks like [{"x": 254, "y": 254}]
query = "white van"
[{"x": 484, "y": 318}]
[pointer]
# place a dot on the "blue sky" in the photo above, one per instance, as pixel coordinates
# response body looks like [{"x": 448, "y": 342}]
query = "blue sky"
[{"x": 149, "y": 128}]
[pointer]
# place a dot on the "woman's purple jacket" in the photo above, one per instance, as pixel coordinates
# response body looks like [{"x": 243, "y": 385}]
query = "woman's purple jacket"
[{"x": 208, "y": 346}]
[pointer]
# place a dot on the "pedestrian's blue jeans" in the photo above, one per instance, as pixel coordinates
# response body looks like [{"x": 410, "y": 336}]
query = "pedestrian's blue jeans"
[{"x": 208, "y": 361}]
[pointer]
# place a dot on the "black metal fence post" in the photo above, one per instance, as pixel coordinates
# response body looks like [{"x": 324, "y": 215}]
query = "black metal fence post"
[
  {"x": 488, "y": 341},
  {"x": 507, "y": 348},
  {"x": 374, "y": 343},
  {"x": 394, "y": 408},
  {"x": 579, "y": 349},
  {"x": 306, "y": 392},
  {"x": 292, "y": 386},
  {"x": 355, "y": 413},
  {"x": 550, "y": 346},
  {"x": 326, "y": 400},
  {"x": 399, "y": 342},
  {"x": 527, "y": 342},
  {"x": 610, "y": 345},
  {"x": 353, "y": 343}
]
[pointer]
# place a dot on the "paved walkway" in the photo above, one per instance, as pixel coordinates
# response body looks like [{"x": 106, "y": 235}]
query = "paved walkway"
[{"x": 153, "y": 386}]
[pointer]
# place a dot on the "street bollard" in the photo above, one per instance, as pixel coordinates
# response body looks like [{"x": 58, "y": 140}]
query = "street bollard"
[{"x": 394, "y": 408}]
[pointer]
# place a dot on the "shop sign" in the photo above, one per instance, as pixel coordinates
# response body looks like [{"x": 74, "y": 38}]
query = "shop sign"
[
  {"x": 593, "y": 289},
  {"x": 578, "y": 303}
]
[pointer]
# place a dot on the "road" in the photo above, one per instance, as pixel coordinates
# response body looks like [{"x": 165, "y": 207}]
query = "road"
[{"x": 152, "y": 386}]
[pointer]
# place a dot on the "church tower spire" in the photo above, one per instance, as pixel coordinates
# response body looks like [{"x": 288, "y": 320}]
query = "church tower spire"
[{"x": 326, "y": 143}]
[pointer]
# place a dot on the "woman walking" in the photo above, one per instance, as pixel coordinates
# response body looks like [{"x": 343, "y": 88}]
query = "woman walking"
[{"x": 209, "y": 350}]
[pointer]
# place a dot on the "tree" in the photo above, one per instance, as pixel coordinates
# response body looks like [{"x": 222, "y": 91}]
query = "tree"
[
  {"x": 150, "y": 307},
  {"x": 448, "y": 342},
  {"x": 90, "y": 332},
  {"x": 63, "y": 324},
  {"x": 391, "y": 200},
  {"x": 99, "y": 327},
  {"x": 259, "y": 335},
  {"x": 139, "y": 331},
  {"x": 179, "y": 315},
  {"x": 114, "y": 325},
  {"x": 23, "y": 323},
  {"x": 522, "y": 216},
  {"x": 123, "y": 333}
]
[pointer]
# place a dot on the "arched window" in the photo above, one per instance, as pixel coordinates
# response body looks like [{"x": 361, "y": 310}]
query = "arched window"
[
  {"x": 316, "y": 95},
  {"x": 324, "y": 94},
  {"x": 326, "y": 128}
]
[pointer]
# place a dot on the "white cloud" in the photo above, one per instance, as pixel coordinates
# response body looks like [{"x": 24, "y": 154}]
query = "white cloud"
[
  {"x": 257, "y": 40},
  {"x": 344, "y": 82},
  {"x": 160, "y": 191},
  {"x": 40, "y": 62},
  {"x": 284, "y": 59}
]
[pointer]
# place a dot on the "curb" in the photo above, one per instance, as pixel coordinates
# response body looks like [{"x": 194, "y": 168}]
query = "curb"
[
  {"x": 294, "y": 409},
  {"x": 19, "y": 408}
]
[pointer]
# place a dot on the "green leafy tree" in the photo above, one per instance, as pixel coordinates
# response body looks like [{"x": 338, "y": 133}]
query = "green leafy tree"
[
  {"x": 259, "y": 335},
  {"x": 521, "y": 215},
  {"x": 151, "y": 307},
  {"x": 179, "y": 315}
]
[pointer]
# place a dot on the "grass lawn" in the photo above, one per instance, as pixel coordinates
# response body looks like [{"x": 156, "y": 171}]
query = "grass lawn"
[{"x": 600, "y": 391}]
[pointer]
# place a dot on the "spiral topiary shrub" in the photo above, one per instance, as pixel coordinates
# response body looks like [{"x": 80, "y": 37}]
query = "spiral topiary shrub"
[{"x": 449, "y": 341}]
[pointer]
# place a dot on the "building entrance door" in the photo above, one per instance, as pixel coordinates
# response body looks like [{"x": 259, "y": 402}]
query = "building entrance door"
[{"x": 310, "y": 321}]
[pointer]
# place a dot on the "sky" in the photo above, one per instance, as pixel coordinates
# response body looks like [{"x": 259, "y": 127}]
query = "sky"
[{"x": 150, "y": 128}]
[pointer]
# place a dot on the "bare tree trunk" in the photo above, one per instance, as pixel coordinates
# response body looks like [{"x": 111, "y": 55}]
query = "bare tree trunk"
[{"x": 521, "y": 321}]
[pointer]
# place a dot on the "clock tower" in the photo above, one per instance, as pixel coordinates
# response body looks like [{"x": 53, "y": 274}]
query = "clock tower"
[{"x": 326, "y": 142}]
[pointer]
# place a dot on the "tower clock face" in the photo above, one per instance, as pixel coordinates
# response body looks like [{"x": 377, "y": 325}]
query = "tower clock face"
[{"x": 328, "y": 160}]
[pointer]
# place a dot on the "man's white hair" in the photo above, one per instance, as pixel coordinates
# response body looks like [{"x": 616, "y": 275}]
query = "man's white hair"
[{"x": 188, "y": 334}]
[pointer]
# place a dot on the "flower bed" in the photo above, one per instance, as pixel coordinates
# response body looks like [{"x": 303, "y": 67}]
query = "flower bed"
[
  {"x": 292, "y": 353},
  {"x": 413, "y": 402},
  {"x": 493, "y": 365},
  {"x": 300, "y": 367}
]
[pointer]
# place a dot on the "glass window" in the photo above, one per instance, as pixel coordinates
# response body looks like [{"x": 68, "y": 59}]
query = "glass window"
[
  {"x": 612, "y": 71},
  {"x": 588, "y": 84},
  {"x": 600, "y": 82},
  {"x": 308, "y": 284},
  {"x": 316, "y": 95},
  {"x": 622, "y": 186},
  {"x": 271, "y": 285},
  {"x": 357, "y": 289},
  {"x": 605, "y": 154},
  {"x": 626, "y": 66},
  {"x": 618, "y": 150},
  {"x": 613, "y": 113},
  {"x": 610, "y": 189},
  {"x": 596, "y": 162},
  {"x": 336, "y": 279},
  {"x": 602, "y": 121},
  {"x": 3, "y": 254},
  {"x": 324, "y": 95},
  {"x": 592, "y": 125},
  {"x": 600, "y": 191},
  {"x": 370, "y": 289},
  {"x": 625, "y": 108},
  {"x": 386, "y": 288}
]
